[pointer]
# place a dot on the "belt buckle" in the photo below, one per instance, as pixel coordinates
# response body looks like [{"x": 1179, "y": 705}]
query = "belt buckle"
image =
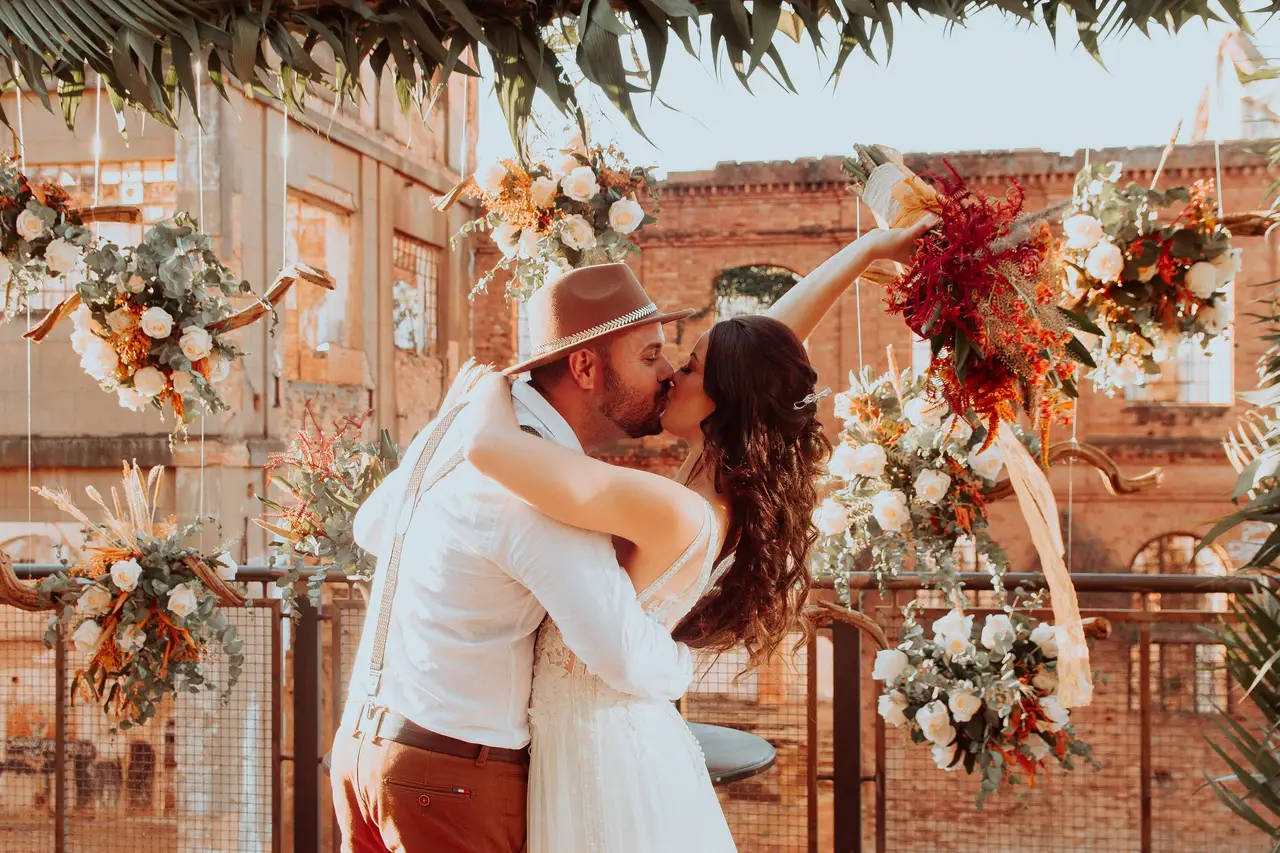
[{"x": 370, "y": 711}]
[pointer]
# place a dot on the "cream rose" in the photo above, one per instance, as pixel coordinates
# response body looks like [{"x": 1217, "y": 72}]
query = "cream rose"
[
  {"x": 1046, "y": 637},
  {"x": 131, "y": 399},
  {"x": 1038, "y": 749},
  {"x": 842, "y": 462},
  {"x": 577, "y": 233},
  {"x": 1214, "y": 317},
  {"x": 890, "y": 510},
  {"x": 987, "y": 464},
  {"x": 964, "y": 705},
  {"x": 148, "y": 381},
  {"x": 566, "y": 165},
  {"x": 219, "y": 368},
  {"x": 30, "y": 226},
  {"x": 182, "y": 601},
  {"x": 196, "y": 343},
  {"x": 625, "y": 215},
  {"x": 931, "y": 486},
  {"x": 61, "y": 256},
  {"x": 923, "y": 413},
  {"x": 935, "y": 722},
  {"x": 844, "y": 406},
  {"x": 1105, "y": 262},
  {"x": 580, "y": 184},
  {"x": 892, "y": 706},
  {"x": 130, "y": 638},
  {"x": 956, "y": 645},
  {"x": 80, "y": 339},
  {"x": 543, "y": 192},
  {"x": 489, "y": 178},
  {"x": 998, "y": 631},
  {"x": 831, "y": 517},
  {"x": 121, "y": 320},
  {"x": 1056, "y": 716},
  {"x": 890, "y": 663},
  {"x": 507, "y": 237},
  {"x": 1202, "y": 279},
  {"x": 184, "y": 384},
  {"x": 527, "y": 246},
  {"x": 869, "y": 461},
  {"x": 99, "y": 360},
  {"x": 94, "y": 601},
  {"x": 87, "y": 636},
  {"x": 226, "y": 567},
  {"x": 125, "y": 574},
  {"x": 156, "y": 322},
  {"x": 1082, "y": 231},
  {"x": 135, "y": 284},
  {"x": 945, "y": 757},
  {"x": 958, "y": 430},
  {"x": 1046, "y": 681},
  {"x": 1228, "y": 266},
  {"x": 82, "y": 318},
  {"x": 955, "y": 622}
]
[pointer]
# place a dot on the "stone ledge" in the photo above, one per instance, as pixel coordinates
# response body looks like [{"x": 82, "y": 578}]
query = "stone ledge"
[
  {"x": 85, "y": 451},
  {"x": 1149, "y": 448}
]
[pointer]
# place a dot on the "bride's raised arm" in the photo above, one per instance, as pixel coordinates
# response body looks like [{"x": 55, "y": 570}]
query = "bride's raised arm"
[
  {"x": 573, "y": 488},
  {"x": 803, "y": 306}
]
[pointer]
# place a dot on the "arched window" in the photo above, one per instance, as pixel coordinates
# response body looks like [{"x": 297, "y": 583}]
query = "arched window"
[
  {"x": 750, "y": 289},
  {"x": 1175, "y": 554}
]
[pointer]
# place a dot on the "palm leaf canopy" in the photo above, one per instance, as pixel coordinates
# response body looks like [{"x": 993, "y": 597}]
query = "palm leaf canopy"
[{"x": 149, "y": 53}]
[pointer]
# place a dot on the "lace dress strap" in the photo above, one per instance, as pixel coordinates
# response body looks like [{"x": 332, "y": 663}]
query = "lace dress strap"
[{"x": 699, "y": 541}]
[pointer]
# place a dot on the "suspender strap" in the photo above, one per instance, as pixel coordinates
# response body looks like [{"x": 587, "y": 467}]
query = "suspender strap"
[{"x": 393, "y": 564}]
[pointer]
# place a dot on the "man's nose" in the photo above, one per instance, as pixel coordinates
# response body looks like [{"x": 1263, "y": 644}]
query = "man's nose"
[{"x": 665, "y": 370}]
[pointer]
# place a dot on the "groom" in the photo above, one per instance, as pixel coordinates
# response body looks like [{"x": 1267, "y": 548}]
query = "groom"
[{"x": 432, "y": 754}]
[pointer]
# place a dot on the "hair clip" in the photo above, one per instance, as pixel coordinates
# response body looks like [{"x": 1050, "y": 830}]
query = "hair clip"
[{"x": 811, "y": 399}]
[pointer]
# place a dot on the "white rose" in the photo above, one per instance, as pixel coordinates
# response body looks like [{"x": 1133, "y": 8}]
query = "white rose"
[
  {"x": 1038, "y": 748},
  {"x": 1105, "y": 262},
  {"x": 935, "y": 722},
  {"x": 625, "y": 215},
  {"x": 844, "y": 406},
  {"x": 82, "y": 318},
  {"x": 182, "y": 601},
  {"x": 577, "y": 233},
  {"x": 954, "y": 623},
  {"x": 1214, "y": 317},
  {"x": 892, "y": 707},
  {"x": 527, "y": 247},
  {"x": 80, "y": 339},
  {"x": 890, "y": 663},
  {"x": 226, "y": 567},
  {"x": 94, "y": 601},
  {"x": 931, "y": 486},
  {"x": 125, "y": 574},
  {"x": 964, "y": 705},
  {"x": 184, "y": 384},
  {"x": 566, "y": 165},
  {"x": 869, "y": 461},
  {"x": 1202, "y": 279},
  {"x": 30, "y": 226},
  {"x": 831, "y": 517},
  {"x": 99, "y": 360},
  {"x": 156, "y": 322},
  {"x": 121, "y": 320},
  {"x": 6, "y": 271},
  {"x": 1082, "y": 231},
  {"x": 130, "y": 638},
  {"x": 577, "y": 144},
  {"x": 842, "y": 462},
  {"x": 135, "y": 284},
  {"x": 196, "y": 343},
  {"x": 87, "y": 636},
  {"x": 945, "y": 757},
  {"x": 1228, "y": 266},
  {"x": 507, "y": 237},
  {"x": 958, "y": 430},
  {"x": 955, "y": 645},
  {"x": 1056, "y": 716},
  {"x": 61, "y": 256},
  {"x": 543, "y": 192},
  {"x": 148, "y": 381},
  {"x": 923, "y": 413},
  {"x": 219, "y": 367},
  {"x": 1045, "y": 681},
  {"x": 988, "y": 463},
  {"x": 580, "y": 184},
  {"x": 890, "y": 510},
  {"x": 997, "y": 630},
  {"x": 1046, "y": 636},
  {"x": 490, "y": 177},
  {"x": 131, "y": 399}
]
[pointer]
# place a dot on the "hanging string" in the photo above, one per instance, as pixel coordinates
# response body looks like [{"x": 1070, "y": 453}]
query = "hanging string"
[
  {"x": 284, "y": 186},
  {"x": 97, "y": 154},
  {"x": 857, "y": 283},
  {"x": 200, "y": 209},
  {"x": 1071, "y": 460},
  {"x": 22, "y": 161}
]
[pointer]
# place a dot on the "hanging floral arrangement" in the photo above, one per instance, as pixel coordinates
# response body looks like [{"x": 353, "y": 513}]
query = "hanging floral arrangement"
[
  {"x": 41, "y": 236},
  {"x": 579, "y": 210},
  {"x": 142, "y": 607},
  {"x": 1147, "y": 279},
  {"x": 982, "y": 696}
]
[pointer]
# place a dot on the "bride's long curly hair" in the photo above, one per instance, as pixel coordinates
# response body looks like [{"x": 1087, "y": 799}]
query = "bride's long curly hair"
[{"x": 766, "y": 455}]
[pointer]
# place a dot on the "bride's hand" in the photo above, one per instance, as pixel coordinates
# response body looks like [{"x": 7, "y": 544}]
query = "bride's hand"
[{"x": 896, "y": 244}]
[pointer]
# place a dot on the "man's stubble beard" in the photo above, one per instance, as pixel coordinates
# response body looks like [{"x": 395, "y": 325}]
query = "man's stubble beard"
[{"x": 634, "y": 413}]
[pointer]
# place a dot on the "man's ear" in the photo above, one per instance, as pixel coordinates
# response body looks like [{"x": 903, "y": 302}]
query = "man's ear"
[{"x": 585, "y": 368}]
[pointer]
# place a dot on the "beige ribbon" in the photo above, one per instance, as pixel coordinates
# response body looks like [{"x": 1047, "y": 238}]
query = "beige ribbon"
[
  {"x": 1035, "y": 499},
  {"x": 897, "y": 196}
]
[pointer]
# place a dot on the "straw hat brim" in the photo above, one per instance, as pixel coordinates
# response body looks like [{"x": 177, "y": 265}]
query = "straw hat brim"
[{"x": 560, "y": 352}]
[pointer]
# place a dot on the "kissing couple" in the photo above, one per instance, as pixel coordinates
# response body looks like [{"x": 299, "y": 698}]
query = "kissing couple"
[{"x": 533, "y": 610}]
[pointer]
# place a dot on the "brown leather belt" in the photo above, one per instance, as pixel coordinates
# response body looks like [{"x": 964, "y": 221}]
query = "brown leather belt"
[{"x": 393, "y": 727}]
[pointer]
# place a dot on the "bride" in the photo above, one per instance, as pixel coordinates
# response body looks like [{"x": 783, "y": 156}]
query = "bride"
[{"x": 719, "y": 555}]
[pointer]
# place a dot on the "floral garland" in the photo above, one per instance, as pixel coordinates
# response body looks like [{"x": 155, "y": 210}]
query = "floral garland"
[
  {"x": 908, "y": 479},
  {"x": 147, "y": 325},
  {"x": 141, "y": 605},
  {"x": 1147, "y": 284},
  {"x": 548, "y": 218},
  {"x": 41, "y": 236},
  {"x": 983, "y": 697}
]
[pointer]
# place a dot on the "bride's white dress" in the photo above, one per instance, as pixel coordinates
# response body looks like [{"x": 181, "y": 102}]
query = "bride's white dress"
[{"x": 613, "y": 773}]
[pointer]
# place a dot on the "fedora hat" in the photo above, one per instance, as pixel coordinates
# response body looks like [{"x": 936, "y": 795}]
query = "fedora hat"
[{"x": 584, "y": 305}]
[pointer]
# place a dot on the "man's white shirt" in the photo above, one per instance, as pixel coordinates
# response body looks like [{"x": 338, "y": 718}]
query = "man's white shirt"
[{"x": 480, "y": 569}]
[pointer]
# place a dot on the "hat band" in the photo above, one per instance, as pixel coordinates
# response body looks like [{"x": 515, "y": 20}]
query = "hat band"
[{"x": 595, "y": 331}]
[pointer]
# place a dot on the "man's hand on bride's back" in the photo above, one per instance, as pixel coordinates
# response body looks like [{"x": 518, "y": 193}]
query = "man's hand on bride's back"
[{"x": 896, "y": 244}]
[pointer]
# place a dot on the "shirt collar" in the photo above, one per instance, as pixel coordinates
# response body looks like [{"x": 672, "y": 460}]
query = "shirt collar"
[{"x": 543, "y": 411}]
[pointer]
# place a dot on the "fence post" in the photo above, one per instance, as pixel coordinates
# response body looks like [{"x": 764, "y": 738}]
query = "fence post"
[
  {"x": 307, "y": 749},
  {"x": 846, "y": 711},
  {"x": 60, "y": 743},
  {"x": 1144, "y": 746}
]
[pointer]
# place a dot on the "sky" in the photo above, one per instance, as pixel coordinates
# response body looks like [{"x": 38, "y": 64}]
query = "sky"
[{"x": 993, "y": 84}]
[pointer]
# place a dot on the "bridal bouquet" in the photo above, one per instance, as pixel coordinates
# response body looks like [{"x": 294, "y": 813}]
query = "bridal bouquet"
[
  {"x": 983, "y": 697},
  {"x": 141, "y": 605},
  {"x": 148, "y": 320},
  {"x": 908, "y": 478},
  {"x": 983, "y": 288},
  {"x": 550, "y": 217},
  {"x": 1146, "y": 282},
  {"x": 41, "y": 236},
  {"x": 328, "y": 477}
]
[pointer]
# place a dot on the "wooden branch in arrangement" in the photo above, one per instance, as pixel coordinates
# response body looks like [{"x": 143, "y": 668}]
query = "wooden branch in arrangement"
[
  {"x": 1093, "y": 456},
  {"x": 1255, "y": 224},
  {"x": 279, "y": 288},
  {"x": 15, "y": 593},
  {"x": 820, "y": 610},
  {"x": 227, "y": 596},
  {"x": 61, "y": 310}
]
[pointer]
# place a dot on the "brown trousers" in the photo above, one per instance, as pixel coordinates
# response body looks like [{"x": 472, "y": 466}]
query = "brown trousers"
[{"x": 392, "y": 798}]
